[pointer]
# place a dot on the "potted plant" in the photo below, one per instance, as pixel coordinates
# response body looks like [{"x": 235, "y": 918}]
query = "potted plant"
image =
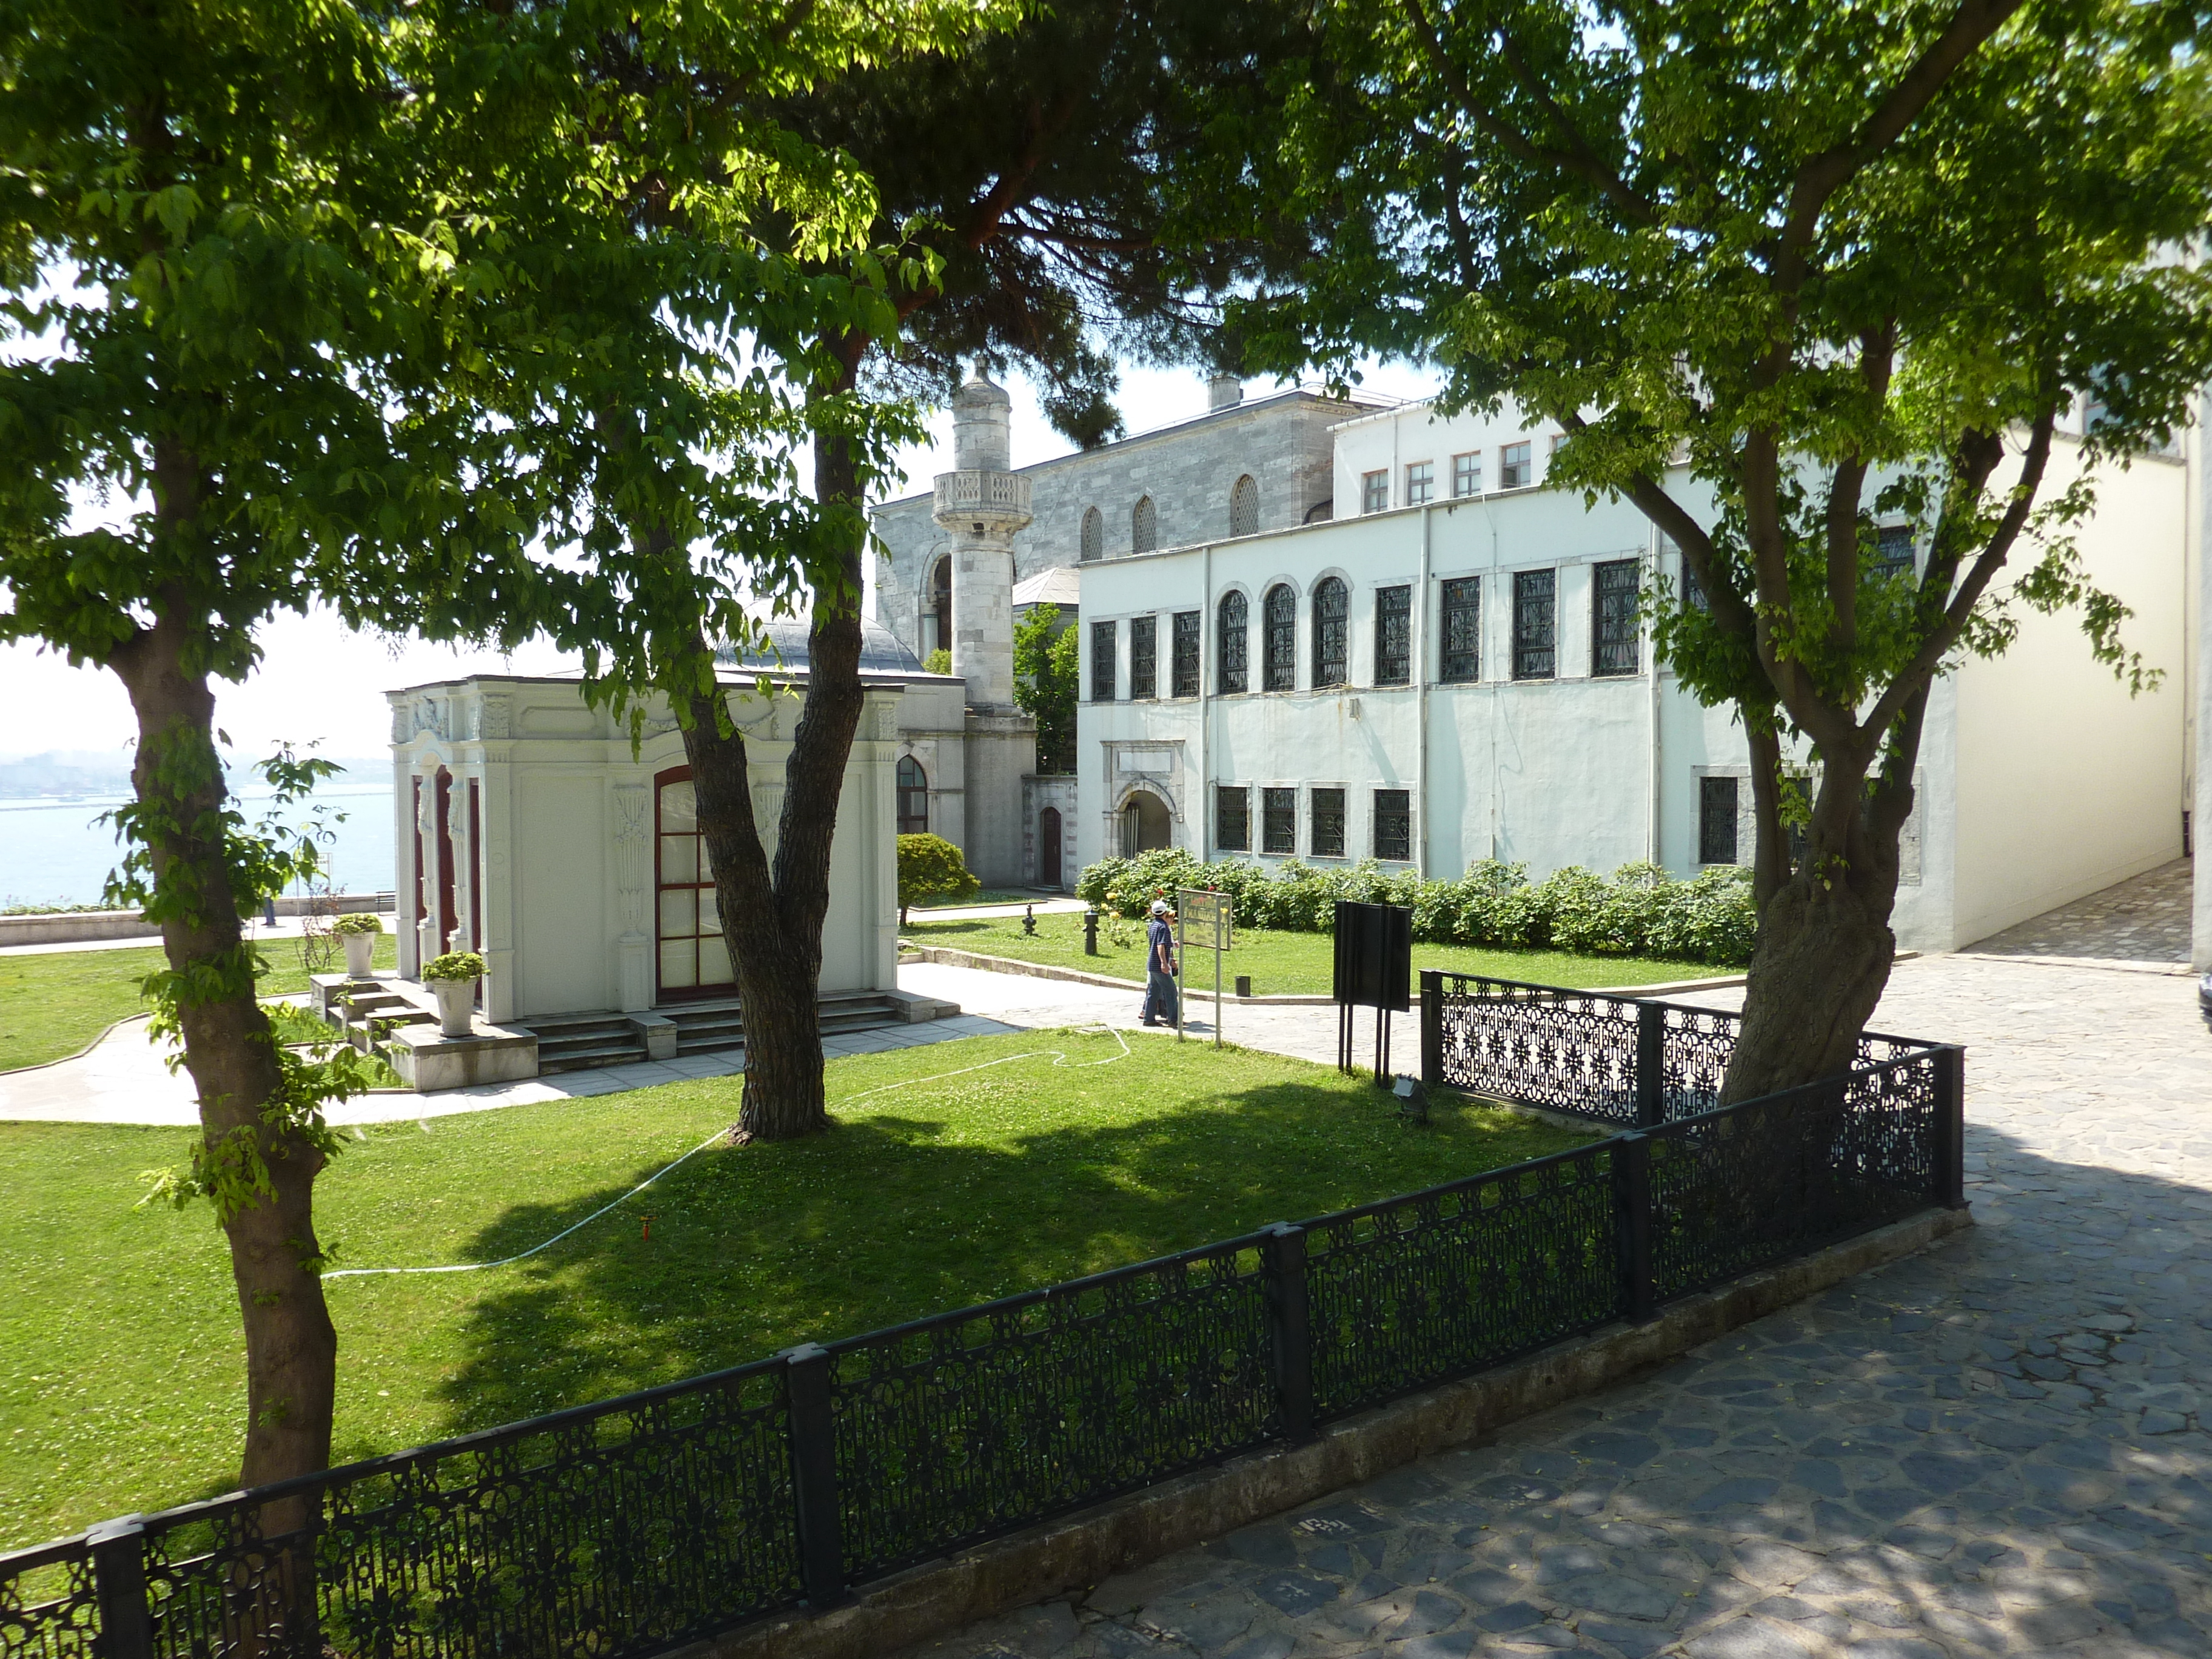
[
  {"x": 452, "y": 979},
  {"x": 358, "y": 933}
]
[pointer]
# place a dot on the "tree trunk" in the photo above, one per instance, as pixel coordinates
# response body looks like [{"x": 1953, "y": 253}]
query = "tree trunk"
[
  {"x": 772, "y": 918},
  {"x": 1825, "y": 942},
  {"x": 291, "y": 1349}
]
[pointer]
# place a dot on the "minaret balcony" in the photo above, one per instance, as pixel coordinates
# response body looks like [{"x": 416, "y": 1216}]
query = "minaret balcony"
[{"x": 982, "y": 502}]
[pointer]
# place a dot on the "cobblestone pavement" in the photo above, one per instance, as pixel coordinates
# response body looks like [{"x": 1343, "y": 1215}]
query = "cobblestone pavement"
[
  {"x": 2145, "y": 920},
  {"x": 1994, "y": 1448}
]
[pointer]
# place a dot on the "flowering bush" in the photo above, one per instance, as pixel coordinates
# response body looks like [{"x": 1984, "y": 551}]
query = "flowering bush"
[
  {"x": 358, "y": 921},
  {"x": 1641, "y": 910}
]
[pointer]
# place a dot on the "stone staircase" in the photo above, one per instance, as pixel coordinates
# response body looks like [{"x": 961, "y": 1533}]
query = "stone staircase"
[{"x": 568, "y": 1042}]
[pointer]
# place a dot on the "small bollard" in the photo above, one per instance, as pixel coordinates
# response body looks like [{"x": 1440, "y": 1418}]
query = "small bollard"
[
  {"x": 1028, "y": 920},
  {"x": 1090, "y": 932}
]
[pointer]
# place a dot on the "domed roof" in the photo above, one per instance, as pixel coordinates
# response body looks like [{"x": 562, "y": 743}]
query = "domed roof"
[{"x": 784, "y": 647}]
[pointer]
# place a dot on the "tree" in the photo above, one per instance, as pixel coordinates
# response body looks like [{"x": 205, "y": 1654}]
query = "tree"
[
  {"x": 930, "y": 866},
  {"x": 203, "y": 308},
  {"x": 1816, "y": 263},
  {"x": 1045, "y": 679}
]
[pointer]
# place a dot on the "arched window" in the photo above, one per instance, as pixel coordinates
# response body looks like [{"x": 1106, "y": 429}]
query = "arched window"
[
  {"x": 1231, "y": 643},
  {"x": 1094, "y": 534},
  {"x": 1282, "y": 624},
  {"x": 1144, "y": 526},
  {"x": 1332, "y": 609},
  {"x": 913, "y": 798},
  {"x": 1245, "y": 507},
  {"x": 940, "y": 604}
]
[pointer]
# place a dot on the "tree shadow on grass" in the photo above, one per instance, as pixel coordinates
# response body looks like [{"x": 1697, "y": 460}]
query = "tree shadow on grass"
[{"x": 885, "y": 1219}]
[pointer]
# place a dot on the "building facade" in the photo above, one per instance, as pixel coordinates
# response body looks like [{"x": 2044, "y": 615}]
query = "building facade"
[{"x": 1460, "y": 669}]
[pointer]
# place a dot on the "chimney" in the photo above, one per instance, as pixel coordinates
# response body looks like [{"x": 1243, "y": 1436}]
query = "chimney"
[{"x": 1223, "y": 392}]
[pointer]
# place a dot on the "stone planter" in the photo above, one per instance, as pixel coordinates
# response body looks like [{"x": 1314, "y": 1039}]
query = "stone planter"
[
  {"x": 361, "y": 949},
  {"x": 456, "y": 999}
]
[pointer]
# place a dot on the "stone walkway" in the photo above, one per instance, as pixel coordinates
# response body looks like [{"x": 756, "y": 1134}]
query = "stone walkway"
[
  {"x": 2144, "y": 920},
  {"x": 1996, "y": 1447}
]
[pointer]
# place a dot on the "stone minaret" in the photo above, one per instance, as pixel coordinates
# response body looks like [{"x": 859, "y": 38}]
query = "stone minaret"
[{"x": 981, "y": 505}]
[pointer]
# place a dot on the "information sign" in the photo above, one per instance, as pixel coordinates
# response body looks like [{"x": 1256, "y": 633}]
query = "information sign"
[{"x": 1203, "y": 922}]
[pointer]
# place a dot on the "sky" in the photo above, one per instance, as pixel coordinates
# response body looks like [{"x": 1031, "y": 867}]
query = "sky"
[{"x": 320, "y": 683}]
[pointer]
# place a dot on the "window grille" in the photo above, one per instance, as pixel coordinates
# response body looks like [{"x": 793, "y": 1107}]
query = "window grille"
[
  {"x": 1374, "y": 491},
  {"x": 1893, "y": 552},
  {"x": 1232, "y": 819},
  {"x": 1144, "y": 658},
  {"x": 1245, "y": 507},
  {"x": 1144, "y": 526},
  {"x": 1514, "y": 471},
  {"x": 1328, "y": 823},
  {"x": 1466, "y": 473},
  {"x": 1535, "y": 624},
  {"x": 1235, "y": 641},
  {"x": 1420, "y": 482},
  {"x": 1094, "y": 534},
  {"x": 1462, "y": 630},
  {"x": 1614, "y": 622},
  {"x": 1394, "y": 824},
  {"x": 940, "y": 604},
  {"x": 913, "y": 798},
  {"x": 1717, "y": 821},
  {"x": 1186, "y": 631},
  {"x": 1282, "y": 625},
  {"x": 1279, "y": 820},
  {"x": 1393, "y": 635},
  {"x": 1332, "y": 608},
  {"x": 1102, "y": 662}
]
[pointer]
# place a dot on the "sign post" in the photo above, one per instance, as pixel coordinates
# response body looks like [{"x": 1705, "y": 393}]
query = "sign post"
[{"x": 1203, "y": 922}]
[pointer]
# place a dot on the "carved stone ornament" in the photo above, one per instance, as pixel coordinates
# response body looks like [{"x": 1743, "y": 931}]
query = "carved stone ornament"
[
  {"x": 494, "y": 718},
  {"x": 429, "y": 716}
]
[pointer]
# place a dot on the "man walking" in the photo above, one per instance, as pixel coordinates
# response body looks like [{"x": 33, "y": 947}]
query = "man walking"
[{"x": 1159, "y": 966}]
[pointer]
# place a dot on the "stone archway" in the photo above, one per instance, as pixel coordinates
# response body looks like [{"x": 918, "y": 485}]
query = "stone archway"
[{"x": 1146, "y": 823}]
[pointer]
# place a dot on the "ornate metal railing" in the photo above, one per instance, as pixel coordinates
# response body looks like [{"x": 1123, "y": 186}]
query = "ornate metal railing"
[
  {"x": 1624, "y": 1061},
  {"x": 639, "y": 1525}
]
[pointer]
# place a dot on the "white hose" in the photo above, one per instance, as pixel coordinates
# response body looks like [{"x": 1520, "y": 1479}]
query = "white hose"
[{"x": 1058, "y": 1059}]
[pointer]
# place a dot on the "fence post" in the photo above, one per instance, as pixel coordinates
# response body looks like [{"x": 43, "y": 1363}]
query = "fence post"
[
  {"x": 118, "y": 1574},
  {"x": 1650, "y": 1065},
  {"x": 1632, "y": 1200},
  {"x": 1947, "y": 1170},
  {"x": 1290, "y": 1329},
  {"x": 1432, "y": 1028},
  {"x": 814, "y": 1473}
]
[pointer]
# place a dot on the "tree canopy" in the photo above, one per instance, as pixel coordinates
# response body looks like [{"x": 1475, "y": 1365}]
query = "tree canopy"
[{"x": 1776, "y": 272}]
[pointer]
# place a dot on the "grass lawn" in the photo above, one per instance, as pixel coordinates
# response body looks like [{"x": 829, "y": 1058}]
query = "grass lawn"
[
  {"x": 988, "y": 895},
  {"x": 51, "y": 1005},
  {"x": 120, "y": 1370},
  {"x": 1280, "y": 963}
]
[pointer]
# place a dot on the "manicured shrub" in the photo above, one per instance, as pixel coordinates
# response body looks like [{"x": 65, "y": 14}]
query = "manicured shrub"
[
  {"x": 930, "y": 866},
  {"x": 1640, "y": 910}
]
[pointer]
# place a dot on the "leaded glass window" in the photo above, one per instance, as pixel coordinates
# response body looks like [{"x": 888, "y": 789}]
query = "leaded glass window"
[
  {"x": 1232, "y": 818},
  {"x": 1535, "y": 624},
  {"x": 1332, "y": 608},
  {"x": 1094, "y": 535},
  {"x": 1234, "y": 642},
  {"x": 1393, "y": 635},
  {"x": 1614, "y": 644},
  {"x": 1279, "y": 820},
  {"x": 1461, "y": 605},
  {"x": 1187, "y": 633},
  {"x": 1103, "y": 647},
  {"x": 1245, "y": 507},
  {"x": 1394, "y": 824},
  {"x": 1281, "y": 621},
  {"x": 1144, "y": 658},
  {"x": 1144, "y": 526},
  {"x": 1328, "y": 823}
]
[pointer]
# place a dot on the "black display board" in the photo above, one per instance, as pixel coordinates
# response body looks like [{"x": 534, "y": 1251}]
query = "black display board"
[{"x": 1374, "y": 956}]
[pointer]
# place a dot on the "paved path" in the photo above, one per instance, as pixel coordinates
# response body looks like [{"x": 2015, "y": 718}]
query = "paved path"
[
  {"x": 2144, "y": 920},
  {"x": 1995, "y": 1448}
]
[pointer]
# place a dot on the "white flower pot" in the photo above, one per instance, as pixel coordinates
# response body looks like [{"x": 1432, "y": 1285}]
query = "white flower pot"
[
  {"x": 456, "y": 998},
  {"x": 360, "y": 949}
]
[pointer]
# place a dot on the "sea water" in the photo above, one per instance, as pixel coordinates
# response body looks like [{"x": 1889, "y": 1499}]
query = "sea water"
[{"x": 57, "y": 852}]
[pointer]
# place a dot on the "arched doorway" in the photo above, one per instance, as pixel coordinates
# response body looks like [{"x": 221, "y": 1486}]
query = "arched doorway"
[
  {"x": 1048, "y": 847},
  {"x": 1146, "y": 824}
]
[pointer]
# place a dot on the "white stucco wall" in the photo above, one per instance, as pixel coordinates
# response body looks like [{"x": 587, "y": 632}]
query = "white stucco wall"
[
  {"x": 564, "y": 858},
  {"x": 2066, "y": 784}
]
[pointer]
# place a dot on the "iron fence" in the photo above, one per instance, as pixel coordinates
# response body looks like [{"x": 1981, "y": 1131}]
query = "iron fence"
[{"x": 636, "y": 1525}]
